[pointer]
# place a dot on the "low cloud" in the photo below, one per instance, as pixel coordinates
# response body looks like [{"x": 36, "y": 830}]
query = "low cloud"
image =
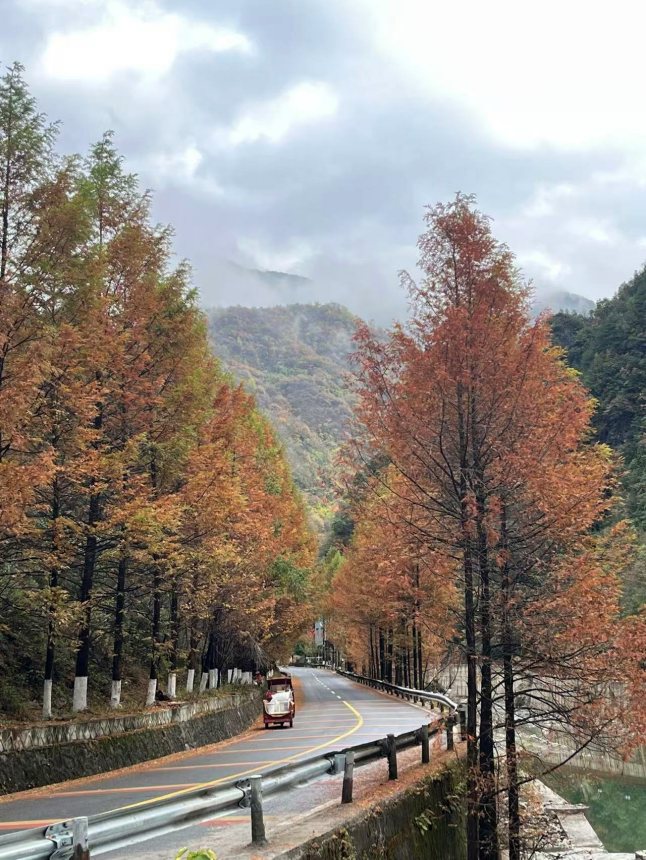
[
  {"x": 276, "y": 118},
  {"x": 309, "y": 136},
  {"x": 138, "y": 37}
]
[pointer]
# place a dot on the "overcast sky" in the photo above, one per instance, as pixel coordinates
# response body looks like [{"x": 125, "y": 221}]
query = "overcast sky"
[{"x": 307, "y": 135}]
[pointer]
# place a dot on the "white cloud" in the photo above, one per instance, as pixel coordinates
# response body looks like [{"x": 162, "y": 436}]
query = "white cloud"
[
  {"x": 139, "y": 38},
  {"x": 182, "y": 164},
  {"x": 302, "y": 104},
  {"x": 568, "y": 75},
  {"x": 593, "y": 229},
  {"x": 542, "y": 265},
  {"x": 546, "y": 199},
  {"x": 286, "y": 259}
]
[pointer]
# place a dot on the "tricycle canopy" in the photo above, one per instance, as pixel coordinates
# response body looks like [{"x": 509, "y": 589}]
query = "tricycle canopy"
[{"x": 283, "y": 682}]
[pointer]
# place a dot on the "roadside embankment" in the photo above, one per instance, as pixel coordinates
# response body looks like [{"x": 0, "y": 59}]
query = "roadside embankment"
[
  {"x": 424, "y": 820},
  {"x": 42, "y": 755},
  {"x": 421, "y": 814}
]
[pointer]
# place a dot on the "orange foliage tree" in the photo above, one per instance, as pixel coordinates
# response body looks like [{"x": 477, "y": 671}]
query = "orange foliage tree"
[
  {"x": 487, "y": 433},
  {"x": 147, "y": 510}
]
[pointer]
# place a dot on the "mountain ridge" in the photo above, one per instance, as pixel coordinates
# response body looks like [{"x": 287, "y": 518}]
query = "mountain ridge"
[{"x": 295, "y": 359}]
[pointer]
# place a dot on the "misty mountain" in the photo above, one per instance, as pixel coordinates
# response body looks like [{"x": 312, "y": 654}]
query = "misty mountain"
[
  {"x": 294, "y": 359},
  {"x": 560, "y": 301}
]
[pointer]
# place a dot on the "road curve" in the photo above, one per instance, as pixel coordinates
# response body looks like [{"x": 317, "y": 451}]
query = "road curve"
[{"x": 331, "y": 712}]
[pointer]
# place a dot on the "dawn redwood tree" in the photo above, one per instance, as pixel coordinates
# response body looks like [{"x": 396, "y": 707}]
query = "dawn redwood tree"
[
  {"x": 113, "y": 205},
  {"x": 26, "y": 163},
  {"x": 486, "y": 430},
  {"x": 390, "y": 586},
  {"x": 143, "y": 499},
  {"x": 42, "y": 232}
]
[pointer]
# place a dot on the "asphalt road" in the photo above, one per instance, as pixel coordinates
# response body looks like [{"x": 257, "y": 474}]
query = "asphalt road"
[{"x": 331, "y": 712}]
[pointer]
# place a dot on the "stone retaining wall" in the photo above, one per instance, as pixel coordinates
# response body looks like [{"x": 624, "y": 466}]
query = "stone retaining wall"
[
  {"x": 589, "y": 760},
  {"x": 50, "y": 754},
  {"x": 424, "y": 821},
  {"x": 51, "y": 734}
]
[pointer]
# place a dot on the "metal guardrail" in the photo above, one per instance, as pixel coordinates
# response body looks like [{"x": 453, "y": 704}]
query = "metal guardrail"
[
  {"x": 110, "y": 831},
  {"x": 403, "y": 692}
]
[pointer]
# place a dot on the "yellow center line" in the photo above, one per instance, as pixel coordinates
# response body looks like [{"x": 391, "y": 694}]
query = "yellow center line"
[
  {"x": 207, "y": 766},
  {"x": 254, "y": 769},
  {"x": 120, "y": 789}
]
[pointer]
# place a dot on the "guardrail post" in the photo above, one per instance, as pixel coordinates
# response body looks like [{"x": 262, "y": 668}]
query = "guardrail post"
[
  {"x": 426, "y": 747},
  {"x": 79, "y": 839},
  {"x": 462, "y": 716},
  {"x": 391, "y": 750},
  {"x": 449, "y": 732},
  {"x": 348, "y": 776},
  {"x": 257, "y": 821}
]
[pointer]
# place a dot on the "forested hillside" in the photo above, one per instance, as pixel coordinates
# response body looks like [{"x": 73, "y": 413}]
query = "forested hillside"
[
  {"x": 149, "y": 525},
  {"x": 295, "y": 359},
  {"x": 608, "y": 346}
]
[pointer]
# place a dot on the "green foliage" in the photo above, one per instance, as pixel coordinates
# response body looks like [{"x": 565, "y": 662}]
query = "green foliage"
[
  {"x": 608, "y": 347},
  {"x": 425, "y": 821},
  {"x": 200, "y": 854},
  {"x": 290, "y": 578}
]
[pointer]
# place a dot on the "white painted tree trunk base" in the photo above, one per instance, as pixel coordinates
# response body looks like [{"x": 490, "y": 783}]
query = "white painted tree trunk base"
[
  {"x": 47, "y": 700},
  {"x": 152, "y": 689},
  {"x": 190, "y": 680},
  {"x": 172, "y": 684},
  {"x": 115, "y": 695},
  {"x": 213, "y": 679},
  {"x": 204, "y": 680},
  {"x": 79, "y": 697},
  {"x": 230, "y": 676}
]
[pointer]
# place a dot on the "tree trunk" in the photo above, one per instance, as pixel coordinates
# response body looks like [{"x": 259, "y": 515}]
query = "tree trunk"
[
  {"x": 192, "y": 659},
  {"x": 119, "y": 615},
  {"x": 156, "y": 624},
  {"x": 511, "y": 757},
  {"x": 374, "y": 652},
  {"x": 420, "y": 664},
  {"x": 53, "y": 583},
  {"x": 469, "y": 637},
  {"x": 488, "y": 811},
  {"x": 174, "y": 640},
  {"x": 472, "y": 706},
  {"x": 79, "y": 702}
]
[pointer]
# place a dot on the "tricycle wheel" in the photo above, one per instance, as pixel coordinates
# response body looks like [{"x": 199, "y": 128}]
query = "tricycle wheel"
[{"x": 291, "y": 724}]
